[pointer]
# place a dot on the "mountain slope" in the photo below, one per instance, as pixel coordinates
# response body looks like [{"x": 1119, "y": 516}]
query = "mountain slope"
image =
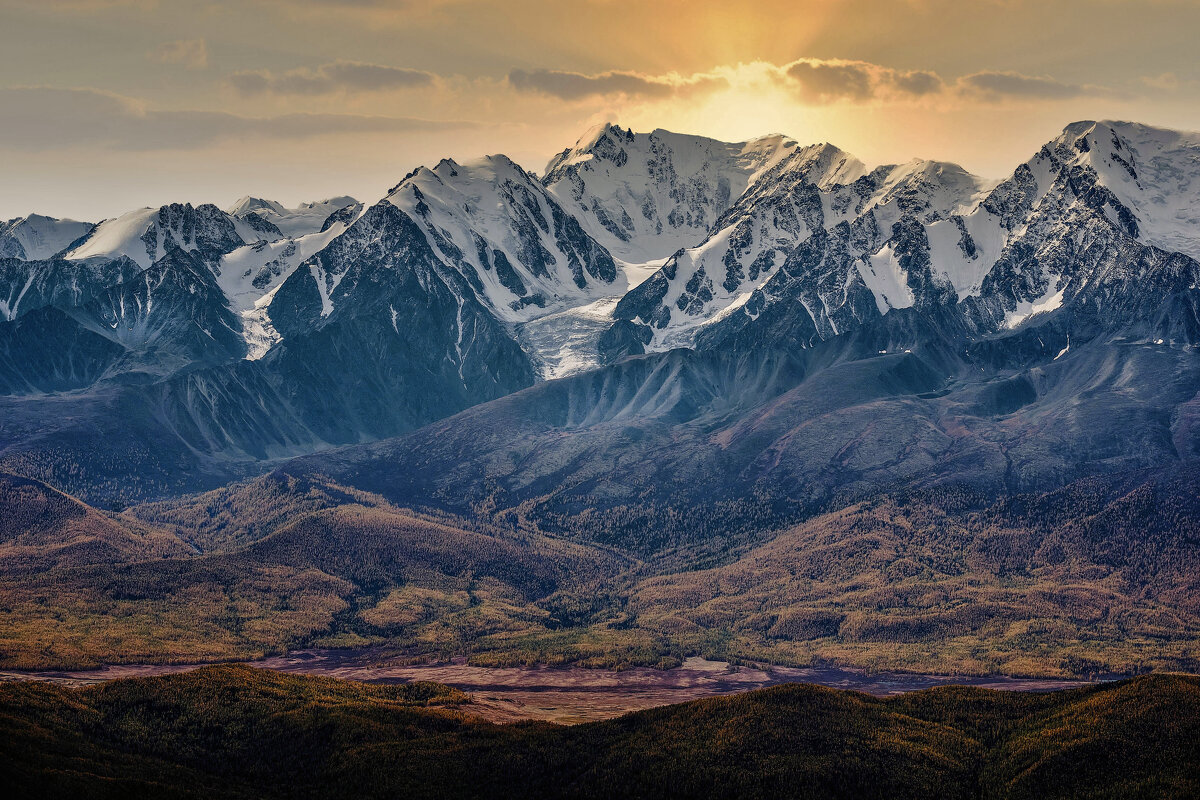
[
  {"x": 42, "y": 528},
  {"x": 733, "y": 439},
  {"x": 380, "y": 288},
  {"x": 341, "y": 565},
  {"x": 36, "y": 237}
]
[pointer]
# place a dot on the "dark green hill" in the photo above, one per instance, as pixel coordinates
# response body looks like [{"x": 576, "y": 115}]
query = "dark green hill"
[
  {"x": 41, "y": 527},
  {"x": 239, "y": 732}
]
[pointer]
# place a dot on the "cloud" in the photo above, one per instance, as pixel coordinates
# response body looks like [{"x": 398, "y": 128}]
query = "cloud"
[
  {"x": 577, "y": 85},
  {"x": 191, "y": 53},
  {"x": 819, "y": 81},
  {"x": 1005, "y": 85},
  {"x": 87, "y": 6},
  {"x": 40, "y": 119},
  {"x": 1167, "y": 82},
  {"x": 813, "y": 81},
  {"x": 918, "y": 83},
  {"x": 339, "y": 76},
  {"x": 832, "y": 81},
  {"x": 829, "y": 81}
]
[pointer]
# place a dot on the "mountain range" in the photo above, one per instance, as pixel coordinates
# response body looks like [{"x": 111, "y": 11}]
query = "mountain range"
[
  {"x": 231, "y": 338},
  {"x": 684, "y": 357}
]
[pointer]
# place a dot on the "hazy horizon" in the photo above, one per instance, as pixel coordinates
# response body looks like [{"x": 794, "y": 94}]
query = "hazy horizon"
[{"x": 118, "y": 104}]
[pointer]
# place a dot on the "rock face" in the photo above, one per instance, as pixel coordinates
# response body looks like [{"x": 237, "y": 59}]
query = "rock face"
[
  {"x": 712, "y": 278},
  {"x": 380, "y": 311}
]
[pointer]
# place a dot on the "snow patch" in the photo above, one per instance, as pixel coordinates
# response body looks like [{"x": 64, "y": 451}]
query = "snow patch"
[
  {"x": 120, "y": 236},
  {"x": 304, "y": 219},
  {"x": 257, "y": 329},
  {"x": 41, "y": 237},
  {"x": 1026, "y": 309},
  {"x": 887, "y": 280}
]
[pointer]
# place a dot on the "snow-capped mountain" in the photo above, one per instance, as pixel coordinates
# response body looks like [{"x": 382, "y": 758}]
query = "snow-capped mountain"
[
  {"x": 37, "y": 237},
  {"x": 146, "y": 235},
  {"x": 116, "y": 251},
  {"x": 801, "y": 256},
  {"x": 709, "y": 237},
  {"x": 817, "y": 196},
  {"x": 644, "y": 196},
  {"x": 434, "y": 278},
  {"x": 164, "y": 289},
  {"x": 471, "y": 281},
  {"x": 1103, "y": 213},
  {"x": 506, "y": 235},
  {"x": 498, "y": 243},
  {"x": 1152, "y": 172},
  {"x": 295, "y": 222},
  {"x": 249, "y": 257}
]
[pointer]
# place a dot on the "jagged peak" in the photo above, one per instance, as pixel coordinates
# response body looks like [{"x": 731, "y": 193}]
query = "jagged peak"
[
  {"x": 123, "y": 235},
  {"x": 1084, "y": 134},
  {"x": 585, "y": 146},
  {"x": 828, "y": 165},
  {"x": 932, "y": 167},
  {"x": 589, "y": 146},
  {"x": 595, "y": 133},
  {"x": 1152, "y": 173},
  {"x": 946, "y": 174}
]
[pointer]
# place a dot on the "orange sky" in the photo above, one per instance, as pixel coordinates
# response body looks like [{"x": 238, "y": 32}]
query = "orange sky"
[{"x": 111, "y": 104}]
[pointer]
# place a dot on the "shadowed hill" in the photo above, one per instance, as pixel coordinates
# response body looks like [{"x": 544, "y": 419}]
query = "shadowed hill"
[
  {"x": 683, "y": 450},
  {"x": 348, "y": 575},
  {"x": 1098, "y": 576},
  {"x": 239, "y": 732},
  {"x": 40, "y": 526},
  {"x": 1101, "y": 575}
]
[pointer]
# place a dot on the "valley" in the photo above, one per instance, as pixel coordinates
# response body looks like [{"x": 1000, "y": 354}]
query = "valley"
[
  {"x": 233, "y": 731},
  {"x": 565, "y": 694}
]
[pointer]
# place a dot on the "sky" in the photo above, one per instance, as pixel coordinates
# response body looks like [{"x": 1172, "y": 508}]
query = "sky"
[{"x": 109, "y": 105}]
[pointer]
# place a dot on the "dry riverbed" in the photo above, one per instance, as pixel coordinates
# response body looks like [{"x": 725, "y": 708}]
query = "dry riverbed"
[{"x": 567, "y": 694}]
